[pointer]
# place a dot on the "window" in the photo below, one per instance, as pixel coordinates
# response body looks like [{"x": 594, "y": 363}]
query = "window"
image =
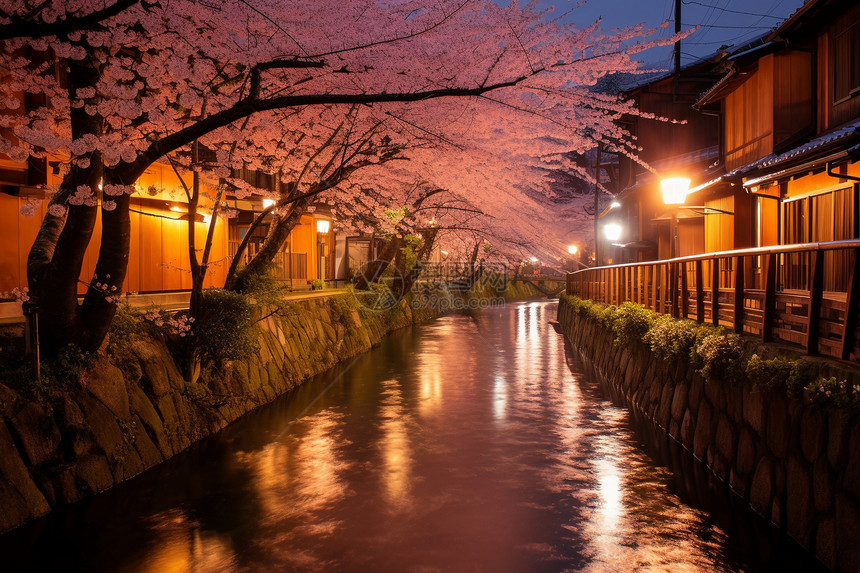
[{"x": 846, "y": 63}]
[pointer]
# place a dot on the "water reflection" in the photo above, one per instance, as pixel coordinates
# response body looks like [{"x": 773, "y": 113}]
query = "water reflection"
[{"x": 468, "y": 444}]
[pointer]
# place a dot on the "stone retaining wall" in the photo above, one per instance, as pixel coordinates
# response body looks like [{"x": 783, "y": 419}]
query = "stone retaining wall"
[
  {"x": 118, "y": 422},
  {"x": 796, "y": 464}
]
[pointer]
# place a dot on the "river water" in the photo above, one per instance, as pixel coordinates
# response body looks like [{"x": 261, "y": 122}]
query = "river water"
[{"x": 471, "y": 443}]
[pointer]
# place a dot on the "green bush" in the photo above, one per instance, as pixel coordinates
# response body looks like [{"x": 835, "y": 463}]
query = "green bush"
[
  {"x": 317, "y": 284},
  {"x": 630, "y": 322},
  {"x": 67, "y": 367},
  {"x": 225, "y": 328},
  {"x": 671, "y": 339},
  {"x": 830, "y": 391},
  {"x": 769, "y": 374},
  {"x": 719, "y": 356},
  {"x": 127, "y": 322}
]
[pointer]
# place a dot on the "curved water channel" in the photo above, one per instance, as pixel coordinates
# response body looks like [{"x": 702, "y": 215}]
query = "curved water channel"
[{"x": 471, "y": 443}]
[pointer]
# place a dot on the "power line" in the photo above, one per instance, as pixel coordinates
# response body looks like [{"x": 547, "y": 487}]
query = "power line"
[
  {"x": 728, "y": 10},
  {"x": 728, "y": 27}
]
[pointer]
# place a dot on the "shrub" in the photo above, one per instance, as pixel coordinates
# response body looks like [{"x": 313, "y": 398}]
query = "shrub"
[
  {"x": 126, "y": 323},
  {"x": 630, "y": 322},
  {"x": 802, "y": 374},
  {"x": 67, "y": 367},
  {"x": 317, "y": 284},
  {"x": 830, "y": 391},
  {"x": 719, "y": 356},
  {"x": 225, "y": 328},
  {"x": 769, "y": 374},
  {"x": 671, "y": 339}
]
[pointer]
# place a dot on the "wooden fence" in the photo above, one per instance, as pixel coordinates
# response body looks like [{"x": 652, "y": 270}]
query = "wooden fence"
[{"x": 804, "y": 294}]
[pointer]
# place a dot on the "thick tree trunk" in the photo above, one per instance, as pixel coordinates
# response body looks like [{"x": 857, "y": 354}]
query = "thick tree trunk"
[
  {"x": 279, "y": 232},
  {"x": 99, "y": 304},
  {"x": 372, "y": 271},
  {"x": 55, "y": 260},
  {"x": 422, "y": 253}
]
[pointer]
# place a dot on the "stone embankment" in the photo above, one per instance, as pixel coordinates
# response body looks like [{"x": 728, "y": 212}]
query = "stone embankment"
[
  {"x": 128, "y": 415},
  {"x": 795, "y": 463}
]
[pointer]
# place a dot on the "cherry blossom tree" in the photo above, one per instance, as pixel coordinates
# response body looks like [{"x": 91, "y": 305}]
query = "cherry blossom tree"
[{"x": 116, "y": 86}]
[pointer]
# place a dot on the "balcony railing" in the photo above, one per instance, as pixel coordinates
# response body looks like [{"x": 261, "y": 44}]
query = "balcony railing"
[
  {"x": 287, "y": 266},
  {"x": 805, "y": 295}
]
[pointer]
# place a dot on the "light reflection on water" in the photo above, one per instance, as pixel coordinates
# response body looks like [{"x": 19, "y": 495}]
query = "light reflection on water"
[{"x": 467, "y": 444}]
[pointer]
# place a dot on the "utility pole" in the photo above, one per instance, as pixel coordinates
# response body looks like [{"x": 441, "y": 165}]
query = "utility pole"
[
  {"x": 677, "y": 31},
  {"x": 597, "y": 209}
]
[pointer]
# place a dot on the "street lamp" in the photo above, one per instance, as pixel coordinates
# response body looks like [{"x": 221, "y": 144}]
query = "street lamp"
[
  {"x": 675, "y": 190},
  {"x": 612, "y": 231},
  {"x": 572, "y": 249},
  {"x": 674, "y": 194}
]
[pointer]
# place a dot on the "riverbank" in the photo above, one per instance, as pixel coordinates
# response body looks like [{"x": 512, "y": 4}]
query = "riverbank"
[
  {"x": 133, "y": 409},
  {"x": 796, "y": 463}
]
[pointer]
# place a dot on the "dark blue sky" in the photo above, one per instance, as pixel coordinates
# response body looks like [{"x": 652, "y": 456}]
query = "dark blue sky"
[{"x": 733, "y": 22}]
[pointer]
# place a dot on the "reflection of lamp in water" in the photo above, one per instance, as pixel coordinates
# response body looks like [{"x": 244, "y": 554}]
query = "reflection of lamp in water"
[{"x": 322, "y": 226}]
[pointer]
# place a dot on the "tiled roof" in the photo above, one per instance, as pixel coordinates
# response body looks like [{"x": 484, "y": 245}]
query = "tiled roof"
[{"x": 844, "y": 133}]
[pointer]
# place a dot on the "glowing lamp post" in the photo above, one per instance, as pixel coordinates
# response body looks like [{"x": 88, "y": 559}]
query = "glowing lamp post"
[
  {"x": 612, "y": 231},
  {"x": 572, "y": 249},
  {"x": 674, "y": 194},
  {"x": 322, "y": 226}
]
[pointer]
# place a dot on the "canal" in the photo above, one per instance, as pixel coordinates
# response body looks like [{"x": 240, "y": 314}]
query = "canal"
[{"x": 471, "y": 443}]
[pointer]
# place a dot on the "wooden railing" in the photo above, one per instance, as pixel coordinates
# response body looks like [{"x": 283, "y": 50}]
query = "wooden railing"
[{"x": 804, "y": 294}]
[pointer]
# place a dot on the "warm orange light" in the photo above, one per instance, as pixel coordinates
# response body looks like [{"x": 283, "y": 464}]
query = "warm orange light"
[
  {"x": 612, "y": 231},
  {"x": 322, "y": 226},
  {"x": 675, "y": 190},
  {"x": 268, "y": 203},
  {"x": 176, "y": 209},
  {"x": 572, "y": 249}
]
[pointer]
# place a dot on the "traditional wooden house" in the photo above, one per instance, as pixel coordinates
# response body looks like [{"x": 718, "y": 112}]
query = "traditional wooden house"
[
  {"x": 688, "y": 144},
  {"x": 790, "y": 121},
  {"x": 783, "y": 197}
]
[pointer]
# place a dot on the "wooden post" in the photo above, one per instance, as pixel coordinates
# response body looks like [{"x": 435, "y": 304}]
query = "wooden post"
[
  {"x": 851, "y": 303},
  {"x": 739, "y": 294},
  {"x": 652, "y": 275},
  {"x": 816, "y": 291},
  {"x": 685, "y": 291},
  {"x": 715, "y": 291},
  {"x": 700, "y": 293},
  {"x": 673, "y": 289},
  {"x": 769, "y": 298}
]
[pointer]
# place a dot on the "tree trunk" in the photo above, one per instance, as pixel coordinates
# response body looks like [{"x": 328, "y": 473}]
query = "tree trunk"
[
  {"x": 279, "y": 232},
  {"x": 55, "y": 260},
  {"x": 372, "y": 270}
]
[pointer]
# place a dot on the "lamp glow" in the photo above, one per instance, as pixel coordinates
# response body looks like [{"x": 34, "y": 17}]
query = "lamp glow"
[
  {"x": 322, "y": 226},
  {"x": 533, "y": 259},
  {"x": 572, "y": 249},
  {"x": 614, "y": 205},
  {"x": 268, "y": 203},
  {"x": 675, "y": 190},
  {"x": 612, "y": 231},
  {"x": 207, "y": 219}
]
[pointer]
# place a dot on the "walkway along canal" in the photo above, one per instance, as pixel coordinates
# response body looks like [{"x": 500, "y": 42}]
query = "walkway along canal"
[{"x": 470, "y": 443}]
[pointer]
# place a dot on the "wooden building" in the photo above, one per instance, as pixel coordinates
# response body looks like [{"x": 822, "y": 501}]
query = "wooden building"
[
  {"x": 687, "y": 145},
  {"x": 790, "y": 124},
  {"x": 770, "y": 144}
]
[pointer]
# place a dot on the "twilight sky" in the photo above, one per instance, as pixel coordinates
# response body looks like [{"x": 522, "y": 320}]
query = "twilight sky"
[{"x": 731, "y": 22}]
